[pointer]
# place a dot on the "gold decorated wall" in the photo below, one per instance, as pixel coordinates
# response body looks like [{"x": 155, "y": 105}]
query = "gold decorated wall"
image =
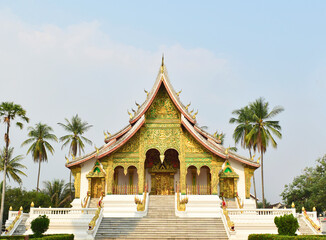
[{"x": 162, "y": 131}]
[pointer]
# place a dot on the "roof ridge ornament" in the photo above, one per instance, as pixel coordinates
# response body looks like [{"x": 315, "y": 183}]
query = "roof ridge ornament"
[
  {"x": 178, "y": 93},
  {"x": 130, "y": 115},
  {"x": 162, "y": 65},
  {"x": 188, "y": 106}
]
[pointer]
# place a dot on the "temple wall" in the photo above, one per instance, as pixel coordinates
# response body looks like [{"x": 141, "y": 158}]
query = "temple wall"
[
  {"x": 239, "y": 169},
  {"x": 85, "y": 168}
]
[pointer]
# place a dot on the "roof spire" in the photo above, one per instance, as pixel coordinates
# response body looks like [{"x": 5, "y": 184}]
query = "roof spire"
[{"x": 162, "y": 65}]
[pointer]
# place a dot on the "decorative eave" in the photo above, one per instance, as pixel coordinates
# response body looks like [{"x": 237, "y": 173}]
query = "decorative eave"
[
  {"x": 118, "y": 134},
  {"x": 216, "y": 149},
  {"x": 111, "y": 146},
  {"x": 162, "y": 77}
]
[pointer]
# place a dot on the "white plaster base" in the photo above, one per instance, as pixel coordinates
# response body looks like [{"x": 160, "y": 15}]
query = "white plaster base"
[
  {"x": 200, "y": 206},
  {"x": 123, "y": 206}
]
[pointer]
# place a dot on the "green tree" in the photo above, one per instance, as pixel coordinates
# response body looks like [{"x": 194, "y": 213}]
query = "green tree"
[
  {"x": 308, "y": 190},
  {"x": 38, "y": 138},
  {"x": 17, "y": 197},
  {"x": 9, "y": 112},
  {"x": 244, "y": 121},
  {"x": 58, "y": 192},
  {"x": 76, "y": 128},
  {"x": 263, "y": 130},
  {"x": 13, "y": 165}
]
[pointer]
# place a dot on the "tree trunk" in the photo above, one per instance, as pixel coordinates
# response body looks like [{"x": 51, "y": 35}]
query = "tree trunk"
[
  {"x": 70, "y": 186},
  {"x": 38, "y": 177},
  {"x": 4, "y": 175},
  {"x": 254, "y": 182},
  {"x": 262, "y": 178}
]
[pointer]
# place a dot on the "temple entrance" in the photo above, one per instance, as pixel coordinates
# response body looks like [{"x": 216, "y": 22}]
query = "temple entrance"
[
  {"x": 227, "y": 187},
  {"x": 162, "y": 171},
  {"x": 96, "y": 188}
]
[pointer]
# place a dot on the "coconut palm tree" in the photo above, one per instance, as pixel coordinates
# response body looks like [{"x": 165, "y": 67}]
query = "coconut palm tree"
[
  {"x": 262, "y": 131},
  {"x": 244, "y": 120},
  {"x": 58, "y": 191},
  {"x": 38, "y": 138},
  {"x": 13, "y": 165},
  {"x": 9, "y": 111},
  {"x": 76, "y": 128}
]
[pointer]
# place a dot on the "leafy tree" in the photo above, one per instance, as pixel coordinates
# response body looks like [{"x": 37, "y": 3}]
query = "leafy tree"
[
  {"x": 17, "y": 197},
  {"x": 76, "y": 128},
  {"x": 263, "y": 130},
  {"x": 38, "y": 138},
  {"x": 261, "y": 205},
  {"x": 244, "y": 120},
  {"x": 9, "y": 112},
  {"x": 308, "y": 190},
  {"x": 58, "y": 192},
  {"x": 13, "y": 165}
]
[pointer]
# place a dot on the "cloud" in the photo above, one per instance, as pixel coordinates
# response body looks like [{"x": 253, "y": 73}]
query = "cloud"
[{"x": 56, "y": 72}]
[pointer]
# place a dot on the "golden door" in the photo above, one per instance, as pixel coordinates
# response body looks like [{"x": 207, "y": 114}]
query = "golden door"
[
  {"x": 163, "y": 184},
  {"x": 227, "y": 187},
  {"x": 96, "y": 188}
]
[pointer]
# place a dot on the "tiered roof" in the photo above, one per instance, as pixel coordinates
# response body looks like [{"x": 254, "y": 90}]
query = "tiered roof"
[{"x": 187, "y": 120}]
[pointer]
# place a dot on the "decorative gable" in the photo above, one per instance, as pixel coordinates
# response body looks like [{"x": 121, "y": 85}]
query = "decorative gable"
[
  {"x": 97, "y": 171},
  {"x": 227, "y": 171}
]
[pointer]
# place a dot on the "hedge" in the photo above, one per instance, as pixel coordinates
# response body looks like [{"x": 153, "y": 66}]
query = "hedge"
[
  {"x": 45, "y": 237},
  {"x": 281, "y": 237}
]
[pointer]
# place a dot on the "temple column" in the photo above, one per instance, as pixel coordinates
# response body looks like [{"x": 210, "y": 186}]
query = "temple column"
[
  {"x": 141, "y": 177},
  {"x": 215, "y": 179},
  {"x": 109, "y": 178},
  {"x": 76, "y": 174},
  {"x": 103, "y": 185},
  {"x": 89, "y": 185},
  {"x": 183, "y": 174}
]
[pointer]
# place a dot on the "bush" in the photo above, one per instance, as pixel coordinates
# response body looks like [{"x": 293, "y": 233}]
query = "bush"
[
  {"x": 39, "y": 225},
  {"x": 286, "y": 225},
  {"x": 282, "y": 237},
  {"x": 45, "y": 237}
]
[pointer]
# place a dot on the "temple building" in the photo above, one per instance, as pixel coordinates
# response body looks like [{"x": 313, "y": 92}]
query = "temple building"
[
  {"x": 163, "y": 148},
  {"x": 161, "y": 177}
]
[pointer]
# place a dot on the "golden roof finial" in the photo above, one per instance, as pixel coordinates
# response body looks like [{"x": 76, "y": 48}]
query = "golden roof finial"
[
  {"x": 194, "y": 116},
  {"x": 97, "y": 150},
  {"x": 227, "y": 151},
  {"x": 188, "y": 106},
  {"x": 146, "y": 92},
  {"x": 32, "y": 204},
  {"x": 178, "y": 93},
  {"x": 130, "y": 115},
  {"x": 109, "y": 133},
  {"x": 292, "y": 205},
  {"x": 162, "y": 65},
  {"x": 67, "y": 159},
  {"x": 73, "y": 156},
  {"x": 105, "y": 135},
  {"x": 10, "y": 209}
]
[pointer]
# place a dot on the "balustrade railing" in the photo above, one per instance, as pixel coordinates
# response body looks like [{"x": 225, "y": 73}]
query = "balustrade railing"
[
  {"x": 266, "y": 212},
  {"x": 199, "y": 190},
  {"x": 313, "y": 224},
  {"x": 125, "y": 189},
  {"x": 62, "y": 211}
]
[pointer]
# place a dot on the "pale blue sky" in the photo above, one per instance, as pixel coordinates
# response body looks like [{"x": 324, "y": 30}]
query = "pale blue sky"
[{"x": 58, "y": 58}]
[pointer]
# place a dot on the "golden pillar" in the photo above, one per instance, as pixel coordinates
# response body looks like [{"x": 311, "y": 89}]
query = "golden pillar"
[
  {"x": 183, "y": 174},
  {"x": 215, "y": 179},
  {"x": 109, "y": 178},
  {"x": 141, "y": 177},
  {"x": 76, "y": 174}
]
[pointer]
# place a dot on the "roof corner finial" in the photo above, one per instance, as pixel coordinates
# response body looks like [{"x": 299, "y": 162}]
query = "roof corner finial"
[{"x": 162, "y": 65}]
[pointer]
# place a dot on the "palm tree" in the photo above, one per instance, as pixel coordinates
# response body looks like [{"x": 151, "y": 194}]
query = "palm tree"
[
  {"x": 58, "y": 191},
  {"x": 263, "y": 130},
  {"x": 76, "y": 128},
  {"x": 9, "y": 112},
  {"x": 13, "y": 165},
  {"x": 244, "y": 120},
  {"x": 38, "y": 138}
]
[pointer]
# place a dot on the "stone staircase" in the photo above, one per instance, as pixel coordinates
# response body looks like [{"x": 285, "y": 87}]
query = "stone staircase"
[
  {"x": 21, "y": 228},
  {"x": 304, "y": 229},
  {"x": 161, "y": 223}
]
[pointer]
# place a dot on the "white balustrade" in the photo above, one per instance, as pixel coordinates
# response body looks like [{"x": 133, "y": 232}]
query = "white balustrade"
[
  {"x": 261, "y": 212},
  {"x": 62, "y": 211}
]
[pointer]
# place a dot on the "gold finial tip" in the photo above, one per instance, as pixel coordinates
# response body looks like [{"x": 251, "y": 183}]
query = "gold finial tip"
[
  {"x": 292, "y": 205},
  {"x": 21, "y": 208},
  {"x": 32, "y": 204},
  {"x": 314, "y": 209},
  {"x": 10, "y": 209},
  {"x": 162, "y": 59}
]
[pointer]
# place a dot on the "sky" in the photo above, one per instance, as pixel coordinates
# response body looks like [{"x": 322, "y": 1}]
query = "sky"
[{"x": 95, "y": 58}]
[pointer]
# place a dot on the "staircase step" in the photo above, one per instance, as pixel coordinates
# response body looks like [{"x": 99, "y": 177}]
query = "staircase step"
[{"x": 161, "y": 223}]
